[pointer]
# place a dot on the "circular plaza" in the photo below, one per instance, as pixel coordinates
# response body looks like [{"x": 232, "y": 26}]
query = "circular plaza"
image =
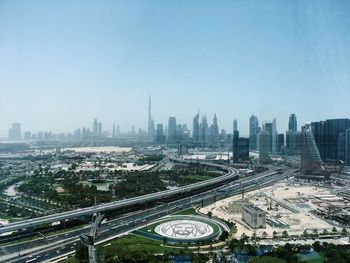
[{"x": 184, "y": 229}]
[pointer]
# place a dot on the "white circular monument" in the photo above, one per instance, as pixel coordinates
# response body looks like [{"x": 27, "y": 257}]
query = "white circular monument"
[{"x": 184, "y": 229}]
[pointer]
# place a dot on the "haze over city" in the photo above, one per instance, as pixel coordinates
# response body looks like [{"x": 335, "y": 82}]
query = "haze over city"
[{"x": 63, "y": 64}]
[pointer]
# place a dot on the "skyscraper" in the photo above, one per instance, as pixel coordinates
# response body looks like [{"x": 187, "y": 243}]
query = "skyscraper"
[
  {"x": 235, "y": 125},
  {"x": 113, "y": 131},
  {"x": 151, "y": 127},
  {"x": 341, "y": 147},
  {"x": 347, "y": 146},
  {"x": 95, "y": 128},
  {"x": 160, "y": 138},
  {"x": 172, "y": 128},
  {"x": 268, "y": 127},
  {"x": 215, "y": 132},
  {"x": 15, "y": 131},
  {"x": 311, "y": 161},
  {"x": 274, "y": 136},
  {"x": 195, "y": 130},
  {"x": 326, "y": 134},
  {"x": 235, "y": 146},
  {"x": 264, "y": 144},
  {"x": 243, "y": 149},
  {"x": 205, "y": 128},
  {"x": 99, "y": 129},
  {"x": 292, "y": 123},
  {"x": 253, "y": 132}
]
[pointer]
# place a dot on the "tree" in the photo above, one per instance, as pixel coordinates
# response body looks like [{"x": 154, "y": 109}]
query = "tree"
[
  {"x": 274, "y": 234},
  {"x": 210, "y": 214},
  {"x": 305, "y": 233},
  {"x": 264, "y": 235},
  {"x": 344, "y": 232},
  {"x": 223, "y": 236},
  {"x": 334, "y": 230},
  {"x": 317, "y": 246},
  {"x": 284, "y": 234}
]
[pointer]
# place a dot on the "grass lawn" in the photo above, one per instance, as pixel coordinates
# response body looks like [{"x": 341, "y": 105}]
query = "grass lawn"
[
  {"x": 312, "y": 257},
  {"x": 266, "y": 259},
  {"x": 132, "y": 243}
]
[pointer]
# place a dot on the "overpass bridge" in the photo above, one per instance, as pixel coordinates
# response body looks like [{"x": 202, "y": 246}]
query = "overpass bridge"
[{"x": 231, "y": 173}]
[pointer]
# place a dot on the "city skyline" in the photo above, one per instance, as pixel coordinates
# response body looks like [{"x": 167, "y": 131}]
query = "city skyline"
[{"x": 65, "y": 64}]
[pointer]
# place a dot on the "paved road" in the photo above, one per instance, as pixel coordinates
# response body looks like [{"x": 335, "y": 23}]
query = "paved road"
[
  {"x": 231, "y": 173},
  {"x": 64, "y": 243}
]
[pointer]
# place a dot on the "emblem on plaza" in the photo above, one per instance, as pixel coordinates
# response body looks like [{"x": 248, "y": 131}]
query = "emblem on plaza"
[{"x": 184, "y": 229}]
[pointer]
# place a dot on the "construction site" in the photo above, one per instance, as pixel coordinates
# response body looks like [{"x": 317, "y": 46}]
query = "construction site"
[{"x": 288, "y": 208}]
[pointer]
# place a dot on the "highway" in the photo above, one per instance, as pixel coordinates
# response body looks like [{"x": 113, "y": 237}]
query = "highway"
[
  {"x": 64, "y": 243},
  {"x": 231, "y": 173}
]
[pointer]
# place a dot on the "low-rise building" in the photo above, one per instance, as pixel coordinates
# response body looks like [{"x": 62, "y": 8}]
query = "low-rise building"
[{"x": 254, "y": 216}]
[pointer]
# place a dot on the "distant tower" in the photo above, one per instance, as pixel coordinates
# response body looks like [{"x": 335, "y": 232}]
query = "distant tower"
[
  {"x": 100, "y": 129},
  {"x": 215, "y": 131},
  {"x": 15, "y": 131},
  {"x": 151, "y": 126},
  {"x": 195, "y": 131},
  {"x": 95, "y": 128},
  {"x": 205, "y": 129},
  {"x": 172, "y": 130},
  {"x": 292, "y": 123},
  {"x": 253, "y": 132},
  {"x": 113, "y": 131},
  {"x": 235, "y": 125},
  {"x": 235, "y": 146},
  {"x": 264, "y": 143},
  {"x": 274, "y": 136}
]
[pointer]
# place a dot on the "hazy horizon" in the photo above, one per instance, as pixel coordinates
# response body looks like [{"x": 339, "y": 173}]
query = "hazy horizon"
[{"x": 64, "y": 63}]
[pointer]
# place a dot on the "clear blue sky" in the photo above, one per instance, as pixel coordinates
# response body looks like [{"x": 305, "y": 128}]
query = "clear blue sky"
[{"x": 63, "y": 63}]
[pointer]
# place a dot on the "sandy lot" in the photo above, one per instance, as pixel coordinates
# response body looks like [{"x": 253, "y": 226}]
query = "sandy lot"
[{"x": 291, "y": 203}]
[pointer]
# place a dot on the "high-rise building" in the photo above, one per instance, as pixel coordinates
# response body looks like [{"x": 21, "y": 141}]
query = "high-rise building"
[
  {"x": 114, "y": 131},
  {"x": 253, "y": 132},
  {"x": 264, "y": 144},
  {"x": 292, "y": 123},
  {"x": 151, "y": 127},
  {"x": 160, "y": 138},
  {"x": 215, "y": 132},
  {"x": 172, "y": 130},
  {"x": 293, "y": 142},
  {"x": 274, "y": 136},
  {"x": 95, "y": 128},
  {"x": 15, "y": 131},
  {"x": 268, "y": 127},
  {"x": 243, "y": 149},
  {"x": 311, "y": 161},
  {"x": 204, "y": 130},
  {"x": 341, "y": 147},
  {"x": 99, "y": 133},
  {"x": 347, "y": 146},
  {"x": 27, "y": 135},
  {"x": 195, "y": 130},
  {"x": 280, "y": 143},
  {"x": 235, "y": 125},
  {"x": 326, "y": 134},
  {"x": 235, "y": 147}
]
